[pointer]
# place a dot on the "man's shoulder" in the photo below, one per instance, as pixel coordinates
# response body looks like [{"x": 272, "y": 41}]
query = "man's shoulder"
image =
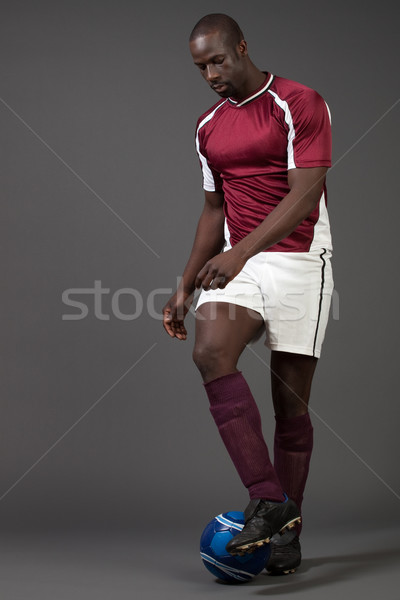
[
  {"x": 210, "y": 112},
  {"x": 287, "y": 89}
]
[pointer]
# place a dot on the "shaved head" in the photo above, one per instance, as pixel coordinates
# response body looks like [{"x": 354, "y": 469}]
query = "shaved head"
[
  {"x": 219, "y": 50},
  {"x": 218, "y": 22}
]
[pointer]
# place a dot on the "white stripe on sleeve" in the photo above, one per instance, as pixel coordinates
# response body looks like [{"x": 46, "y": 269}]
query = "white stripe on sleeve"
[
  {"x": 208, "y": 179},
  {"x": 291, "y": 133}
]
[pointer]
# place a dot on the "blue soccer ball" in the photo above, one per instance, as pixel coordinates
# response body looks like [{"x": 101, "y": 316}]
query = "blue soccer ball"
[{"x": 234, "y": 569}]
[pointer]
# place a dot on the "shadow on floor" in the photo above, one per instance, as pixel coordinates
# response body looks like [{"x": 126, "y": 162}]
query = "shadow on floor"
[{"x": 335, "y": 569}]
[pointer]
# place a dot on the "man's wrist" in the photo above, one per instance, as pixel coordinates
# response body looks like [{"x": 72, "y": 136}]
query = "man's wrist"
[
  {"x": 245, "y": 249},
  {"x": 186, "y": 289}
]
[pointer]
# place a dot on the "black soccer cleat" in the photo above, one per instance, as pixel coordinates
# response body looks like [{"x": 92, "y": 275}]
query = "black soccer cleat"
[
  {"x": 285, "y": 554},
  {"x": 263, "y": 519}
]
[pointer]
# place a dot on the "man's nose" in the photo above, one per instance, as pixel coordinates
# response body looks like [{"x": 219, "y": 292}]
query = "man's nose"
[{"x": 211, "y": 73}]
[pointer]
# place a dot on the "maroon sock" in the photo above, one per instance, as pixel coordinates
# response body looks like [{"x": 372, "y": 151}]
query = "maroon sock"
[
  {"x": 238, "y": 420},
  {"x": 292, "y": 453}
]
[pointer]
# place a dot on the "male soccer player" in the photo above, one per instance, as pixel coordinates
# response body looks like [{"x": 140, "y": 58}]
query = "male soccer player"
[{"x": 261, "y": 257}]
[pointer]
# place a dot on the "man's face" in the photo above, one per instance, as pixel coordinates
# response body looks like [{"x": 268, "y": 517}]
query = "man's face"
[{"x": 221, "y": 64}]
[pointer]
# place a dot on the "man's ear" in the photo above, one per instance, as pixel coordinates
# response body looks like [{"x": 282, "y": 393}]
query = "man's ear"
[{"x": 242, "y": 48}]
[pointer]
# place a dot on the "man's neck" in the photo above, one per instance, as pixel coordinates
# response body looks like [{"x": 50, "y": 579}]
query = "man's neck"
[{"x": 254, "y": 81}]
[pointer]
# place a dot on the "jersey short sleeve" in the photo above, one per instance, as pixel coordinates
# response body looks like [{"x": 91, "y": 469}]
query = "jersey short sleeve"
[
  {"x": 309, "y": 138},
  {"x": 212, "y": 181}
]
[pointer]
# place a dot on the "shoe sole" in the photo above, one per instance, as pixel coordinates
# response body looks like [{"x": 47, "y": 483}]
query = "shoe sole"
[
  {"x": 252, "y": 546},
  {"x": 281, "y": 572}
]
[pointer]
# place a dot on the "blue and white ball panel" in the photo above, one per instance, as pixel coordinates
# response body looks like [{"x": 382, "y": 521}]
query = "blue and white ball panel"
[{"x": 218, "y": 561}]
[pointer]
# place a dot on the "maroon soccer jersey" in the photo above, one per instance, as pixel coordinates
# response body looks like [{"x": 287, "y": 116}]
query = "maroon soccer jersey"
[{"x": 247, "y": 148}]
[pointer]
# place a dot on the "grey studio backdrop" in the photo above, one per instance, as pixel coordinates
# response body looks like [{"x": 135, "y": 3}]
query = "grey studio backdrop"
[{"x": 104, "y": 421}]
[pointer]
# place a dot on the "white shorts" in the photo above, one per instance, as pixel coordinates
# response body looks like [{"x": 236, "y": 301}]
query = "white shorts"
[{"x": 290, "y": 290}]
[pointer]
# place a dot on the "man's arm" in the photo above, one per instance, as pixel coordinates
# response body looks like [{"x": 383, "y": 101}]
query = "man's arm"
[
  {"x": 208, "y": 242},
  {"x": 305, "y": 191}
]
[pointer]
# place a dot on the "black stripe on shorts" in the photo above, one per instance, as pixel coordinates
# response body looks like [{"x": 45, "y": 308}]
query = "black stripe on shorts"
[{"x": 321, "y": 295}]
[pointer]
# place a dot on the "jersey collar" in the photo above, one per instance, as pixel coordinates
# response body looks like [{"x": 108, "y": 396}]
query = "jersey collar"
[{"x": 255, "y": 94}]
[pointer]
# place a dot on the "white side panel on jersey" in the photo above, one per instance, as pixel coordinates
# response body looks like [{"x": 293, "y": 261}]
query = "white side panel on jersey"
[
  {"x": 227, "y": 237},
  {"x": 322, "y": 232},
  {"x": 208, "y": 179},
  {"x": 289, "y": 121}
]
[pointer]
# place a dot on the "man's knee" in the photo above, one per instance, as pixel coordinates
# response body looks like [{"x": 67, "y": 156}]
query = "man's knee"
[
  {"x": 288, "y": 403},
  {"x": 204, "y": 356},
  {"x": 209, "y": 358}
]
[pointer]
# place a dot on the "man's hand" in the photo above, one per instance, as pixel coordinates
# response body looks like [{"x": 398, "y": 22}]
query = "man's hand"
[
  {"x": 174, "y": 314},
  {"x": 220, "y": 270}
]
